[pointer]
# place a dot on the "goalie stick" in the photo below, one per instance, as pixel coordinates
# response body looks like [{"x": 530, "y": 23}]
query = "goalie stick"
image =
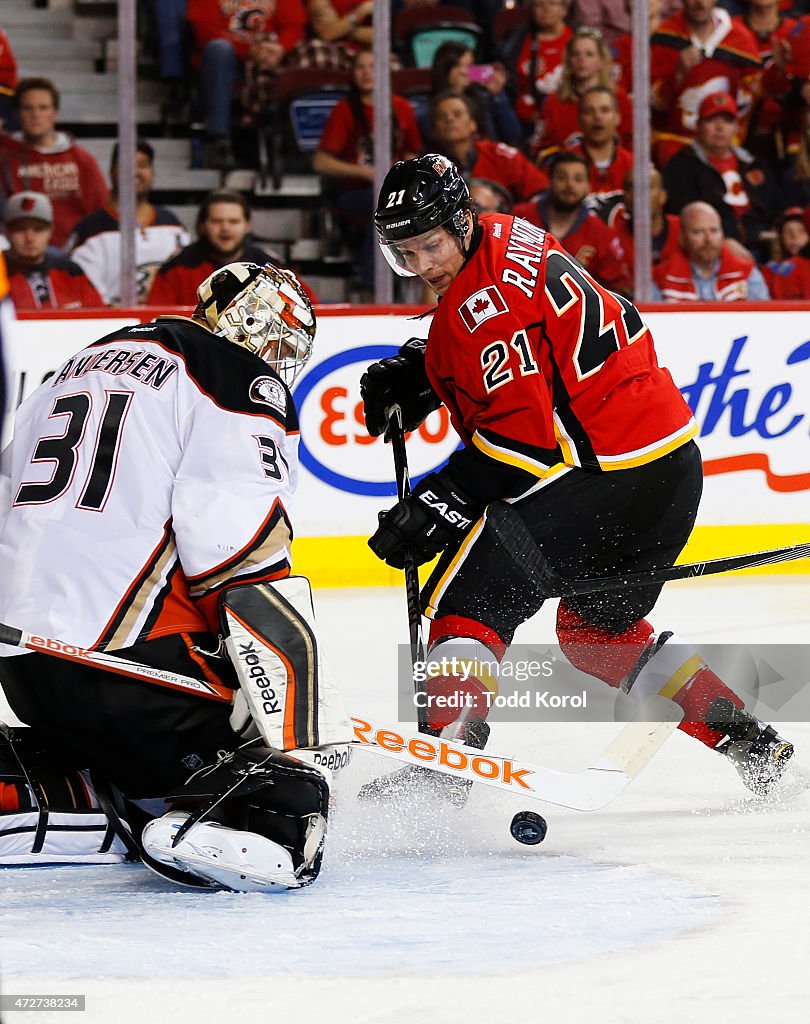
[
  {"x": 519, "y": 545},
  {"x": 586, "y": 790}
]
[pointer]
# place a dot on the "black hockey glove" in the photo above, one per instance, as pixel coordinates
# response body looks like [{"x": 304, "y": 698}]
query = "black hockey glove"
[
  {"x": 398, "y": 380},
  {"x": 436, "y": 514}
]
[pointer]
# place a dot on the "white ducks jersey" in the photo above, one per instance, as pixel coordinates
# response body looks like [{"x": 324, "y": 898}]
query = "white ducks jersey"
[{"x": 153, "y": 467}]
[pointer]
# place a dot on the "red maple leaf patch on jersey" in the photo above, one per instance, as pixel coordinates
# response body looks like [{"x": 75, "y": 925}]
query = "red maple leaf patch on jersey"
[{"x": 480, "y": 306}]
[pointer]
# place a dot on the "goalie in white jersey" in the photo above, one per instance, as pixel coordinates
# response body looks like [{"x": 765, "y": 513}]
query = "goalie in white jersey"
[{"x": 146, "y": 514}]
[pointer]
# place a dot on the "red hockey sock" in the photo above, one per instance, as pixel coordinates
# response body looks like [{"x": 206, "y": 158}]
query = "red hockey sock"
[
  {"x": 608, "y": 656},
  {"x": 611, "y": 656},
  {"x": 464, "y": 655},
  {"x": 696, "y": 697}
]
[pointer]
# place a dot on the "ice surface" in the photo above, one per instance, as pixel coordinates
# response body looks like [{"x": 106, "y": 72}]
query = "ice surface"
[{"x": 685, "y": 900}]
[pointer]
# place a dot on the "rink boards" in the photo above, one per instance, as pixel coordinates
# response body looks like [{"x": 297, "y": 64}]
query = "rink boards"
[{"x": 745, "y": 371}]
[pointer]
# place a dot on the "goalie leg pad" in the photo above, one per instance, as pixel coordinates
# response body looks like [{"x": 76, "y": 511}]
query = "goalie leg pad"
[
  {"x": 285, "y": 688},
  {"x": 253, "y": 822},
  {"x": 50, "y": 813}
]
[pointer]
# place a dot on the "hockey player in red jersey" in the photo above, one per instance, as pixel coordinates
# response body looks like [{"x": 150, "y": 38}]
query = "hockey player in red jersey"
[
  {"x": 553, "y": 385},
  {"x": 145, "y": 514}
]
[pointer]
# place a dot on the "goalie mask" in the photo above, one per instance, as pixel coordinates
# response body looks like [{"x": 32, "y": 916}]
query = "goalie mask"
[{"x": 263, "y": 309}]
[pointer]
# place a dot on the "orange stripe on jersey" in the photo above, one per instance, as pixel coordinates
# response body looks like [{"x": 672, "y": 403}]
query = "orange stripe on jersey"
[
  {"x": 3, "y": 278},
  {"x": 178, "y": 613}
]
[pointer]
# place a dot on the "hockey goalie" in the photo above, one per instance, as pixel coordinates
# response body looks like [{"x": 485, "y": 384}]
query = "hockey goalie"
[{"x": 145, "y": 512}]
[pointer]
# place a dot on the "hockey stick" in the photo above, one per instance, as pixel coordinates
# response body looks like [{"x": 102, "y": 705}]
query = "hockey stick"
[
  {"x": 403, "y": 478},
  {"x": 521, "y": 548},
  {"x": 586, "y": 790},
  {"x": 120, "y": 666}
]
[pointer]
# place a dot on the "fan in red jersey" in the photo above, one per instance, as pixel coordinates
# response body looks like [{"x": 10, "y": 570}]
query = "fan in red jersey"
[
  {"x": 40, "y": 158},
  {"x": 553, "y": 385},
  {"x": 694, "y": 54},
  {"x": 587, "y": 62},
  {"x": 608, "y": 161},
  {"x": 455, "y": 131},
  {"x": 562, "y": 211},
  {"x": 534, "y": 54}
]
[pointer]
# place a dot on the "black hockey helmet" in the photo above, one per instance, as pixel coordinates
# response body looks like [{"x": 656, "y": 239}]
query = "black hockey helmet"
[{"x": 417, "y": 196}]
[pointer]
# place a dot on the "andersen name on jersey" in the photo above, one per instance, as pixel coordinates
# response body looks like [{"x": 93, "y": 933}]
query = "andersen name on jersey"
[
  {"x": 542, "y": 367},
  {"x": 164, "y": 459}
]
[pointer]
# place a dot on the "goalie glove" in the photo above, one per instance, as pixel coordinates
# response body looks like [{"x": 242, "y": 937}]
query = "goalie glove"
[
  {"x": 438, "y": 513},
  {"x": 399, "y": 380}
]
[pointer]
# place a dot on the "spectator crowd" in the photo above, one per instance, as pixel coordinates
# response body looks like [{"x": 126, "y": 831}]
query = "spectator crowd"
[{"x": 533, "y": 102}]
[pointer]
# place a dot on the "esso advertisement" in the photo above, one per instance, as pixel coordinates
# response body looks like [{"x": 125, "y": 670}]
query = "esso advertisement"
[
  {"x": 745, "y": 373},
  {"x": 347, "y": 475},
  {"x": 337, "y": 449}
]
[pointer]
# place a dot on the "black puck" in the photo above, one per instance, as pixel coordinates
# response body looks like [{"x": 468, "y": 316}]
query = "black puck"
[{"x": 528, "y": 828}]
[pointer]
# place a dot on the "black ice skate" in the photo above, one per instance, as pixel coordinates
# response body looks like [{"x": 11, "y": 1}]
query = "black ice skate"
[
  {"x": 412, "y": 781},
  {"x": 756, "y": 750}
]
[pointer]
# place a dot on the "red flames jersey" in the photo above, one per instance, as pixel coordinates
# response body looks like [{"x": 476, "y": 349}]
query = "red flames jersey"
[
  {"x": 731, "y": 63},
  {"x": 540, "y": 366},
  {"x": 542, "y": 59}
]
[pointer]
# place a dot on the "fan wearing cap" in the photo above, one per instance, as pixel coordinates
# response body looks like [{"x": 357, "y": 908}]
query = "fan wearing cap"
[
  {"x": 788, "y": 278},
  {"x": 697, "y": 52},
  {"x": 713, "y": 169},
  {"x": 38, "y": 278}
]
